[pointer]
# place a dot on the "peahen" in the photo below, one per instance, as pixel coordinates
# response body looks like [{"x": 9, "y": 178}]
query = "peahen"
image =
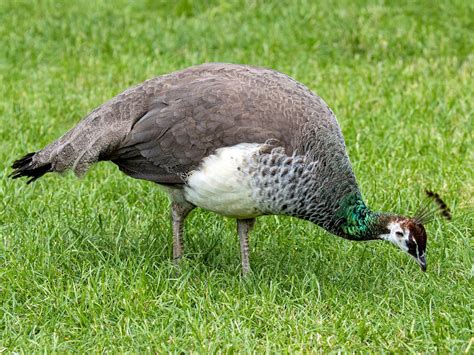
[{"x": 237, "y": 140}]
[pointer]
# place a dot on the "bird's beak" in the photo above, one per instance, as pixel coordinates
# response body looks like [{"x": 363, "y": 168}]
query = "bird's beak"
[{"x": 422, "y": 261}]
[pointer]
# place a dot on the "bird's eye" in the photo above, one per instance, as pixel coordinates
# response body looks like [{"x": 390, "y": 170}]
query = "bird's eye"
[{"x": 399, "y": 234}]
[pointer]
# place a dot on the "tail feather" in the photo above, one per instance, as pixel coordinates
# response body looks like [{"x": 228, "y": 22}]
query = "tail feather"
[
  {"x": 94, "y": 138},
  {"x": 26, "y": 167}
]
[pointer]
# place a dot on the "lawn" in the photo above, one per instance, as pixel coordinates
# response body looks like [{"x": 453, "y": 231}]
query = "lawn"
[{"x": 85, "y": 263}]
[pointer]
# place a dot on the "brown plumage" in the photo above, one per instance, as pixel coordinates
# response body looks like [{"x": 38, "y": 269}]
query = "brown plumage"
[{"x": 162, "y": 129}]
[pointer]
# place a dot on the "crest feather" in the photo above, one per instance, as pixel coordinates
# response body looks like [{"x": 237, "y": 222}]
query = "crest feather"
[{"x": 426, "y": 214}]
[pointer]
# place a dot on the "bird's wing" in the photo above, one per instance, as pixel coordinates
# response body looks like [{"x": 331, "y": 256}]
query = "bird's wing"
[{"x": 189, "y": 121}]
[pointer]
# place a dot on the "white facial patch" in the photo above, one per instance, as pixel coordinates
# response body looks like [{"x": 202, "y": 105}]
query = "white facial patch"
[
  {"x": 401, "y": 237},
  {"x": 397, "y": 235}
]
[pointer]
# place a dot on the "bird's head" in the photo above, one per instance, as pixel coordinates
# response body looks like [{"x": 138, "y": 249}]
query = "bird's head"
[{"x": 409, "y": 235}]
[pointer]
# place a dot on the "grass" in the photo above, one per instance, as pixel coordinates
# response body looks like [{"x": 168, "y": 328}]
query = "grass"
[{"x": 85, "y": 264}]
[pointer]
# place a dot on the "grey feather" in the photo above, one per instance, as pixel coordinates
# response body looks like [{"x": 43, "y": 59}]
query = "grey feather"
[
  {"x": 166, "y": 125},
  {"x": 216, "y": 105}
]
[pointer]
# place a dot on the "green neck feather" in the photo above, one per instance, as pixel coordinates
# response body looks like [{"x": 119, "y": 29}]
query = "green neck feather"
[{"x": 356, "y": 221}]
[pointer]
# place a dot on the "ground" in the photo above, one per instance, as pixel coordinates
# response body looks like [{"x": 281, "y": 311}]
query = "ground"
[{"x": 85, "y": 263}]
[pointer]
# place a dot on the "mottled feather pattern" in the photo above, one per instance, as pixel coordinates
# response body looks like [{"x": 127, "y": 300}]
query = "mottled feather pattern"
[{"x": 315, "y": 190}]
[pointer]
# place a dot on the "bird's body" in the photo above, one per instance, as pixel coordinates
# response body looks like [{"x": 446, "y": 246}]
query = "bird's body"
[{"x": 237, "y": 140}]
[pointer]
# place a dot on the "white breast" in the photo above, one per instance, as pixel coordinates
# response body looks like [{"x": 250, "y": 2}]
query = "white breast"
[{"x": 221, "y": 186}]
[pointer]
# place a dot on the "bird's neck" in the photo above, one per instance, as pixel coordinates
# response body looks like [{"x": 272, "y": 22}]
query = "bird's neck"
[
  {"x": 354, "y": 220},
  {"x": 322, "y": 190}
]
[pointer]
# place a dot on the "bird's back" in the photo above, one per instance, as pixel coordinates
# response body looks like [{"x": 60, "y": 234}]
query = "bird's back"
[{"x": 191, "y": 113}]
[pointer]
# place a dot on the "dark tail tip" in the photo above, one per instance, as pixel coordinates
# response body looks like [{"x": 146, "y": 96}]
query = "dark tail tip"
[
  {"x": 26, "y": 167},
  {"x": 444, "y": 209}
]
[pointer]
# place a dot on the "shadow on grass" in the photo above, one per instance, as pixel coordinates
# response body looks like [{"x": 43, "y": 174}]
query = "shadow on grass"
[{"x": 319, "y": 262}]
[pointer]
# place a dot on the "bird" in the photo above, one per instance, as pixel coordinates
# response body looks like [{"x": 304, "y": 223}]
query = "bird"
[{"x": 238, "y": 140}]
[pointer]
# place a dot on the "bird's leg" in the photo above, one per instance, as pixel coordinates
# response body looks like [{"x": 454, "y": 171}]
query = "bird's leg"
[
  {"x": 244, "y": 226},
  {"x": 179, "y": 211}
]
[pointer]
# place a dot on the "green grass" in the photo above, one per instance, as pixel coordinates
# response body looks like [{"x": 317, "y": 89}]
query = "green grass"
[{"x": 85, "y": 264}]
